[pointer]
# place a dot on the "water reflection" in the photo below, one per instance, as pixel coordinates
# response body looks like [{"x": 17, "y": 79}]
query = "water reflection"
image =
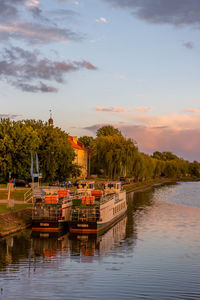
[
  {"x": 153, "y": 253},
  {"x": 14, "y": 248},
  {"x": 97, "y": 245},
  {"x": 48, "y": 245},
  {"x": 33, "y": 245}
]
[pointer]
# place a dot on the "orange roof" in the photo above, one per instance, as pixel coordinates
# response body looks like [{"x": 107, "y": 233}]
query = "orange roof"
[{"x": 78, "y": 146}]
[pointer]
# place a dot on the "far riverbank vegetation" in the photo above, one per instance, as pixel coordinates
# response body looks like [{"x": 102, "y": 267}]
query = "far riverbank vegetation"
[{"x": 111, "y": 155}]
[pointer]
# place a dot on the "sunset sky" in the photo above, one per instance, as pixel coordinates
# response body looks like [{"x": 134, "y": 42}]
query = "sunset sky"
[{"x": 134, "y": 64}]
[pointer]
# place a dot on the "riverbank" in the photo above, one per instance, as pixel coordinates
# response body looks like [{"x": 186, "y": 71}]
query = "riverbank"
[
  {"x": 14, "y": 221},
  {"x": 146, "y": 184},
  {"x": 17, "y": 220}
]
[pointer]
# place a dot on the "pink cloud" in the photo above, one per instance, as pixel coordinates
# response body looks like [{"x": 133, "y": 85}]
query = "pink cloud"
[
  {"x": 101, "y": 20},
  {"x": 174, "y": 121},
  {"x": 143, "y": 109},
  {"x": 177, "y": 133},
  {"x": 110, "y": 109},
  {"x": 192, "y": 110},
  {"x": 33, "y": 3},
  {"x": 183, "y": 142}
]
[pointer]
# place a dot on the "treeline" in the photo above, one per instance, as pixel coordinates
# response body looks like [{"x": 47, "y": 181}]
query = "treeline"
[
  {"x": 111, "y": 154},
  {"x": 17, "y": 141},
  {"x": 114, "y": 156}
]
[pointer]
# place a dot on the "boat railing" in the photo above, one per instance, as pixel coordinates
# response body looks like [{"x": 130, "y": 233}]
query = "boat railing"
[
  {"x": 107, "y": 198},
  {"x": 46, "y": 213},
  {"x": 84, "y": 215}
]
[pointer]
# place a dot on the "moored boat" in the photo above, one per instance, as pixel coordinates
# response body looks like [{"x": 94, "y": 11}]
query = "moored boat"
[
  {"x": 99, "y": 211},
  {"x": 47, "y": 209},
  {"x": 85, "y": 186}
]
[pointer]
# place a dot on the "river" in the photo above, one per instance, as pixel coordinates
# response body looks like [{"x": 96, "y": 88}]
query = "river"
[{"x": 152, "y": 253}]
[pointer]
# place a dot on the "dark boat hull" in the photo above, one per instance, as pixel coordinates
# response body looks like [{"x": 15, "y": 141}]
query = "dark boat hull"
[
  {"x": 92, "y": 227},
  {"x": 47, "y": 225}
]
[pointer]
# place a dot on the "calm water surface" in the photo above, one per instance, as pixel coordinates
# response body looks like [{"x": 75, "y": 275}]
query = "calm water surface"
[{"x": 153, "y": 253}]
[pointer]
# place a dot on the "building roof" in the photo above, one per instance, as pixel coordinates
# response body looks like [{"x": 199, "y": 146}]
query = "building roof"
[{"x": 77, "y": 145}]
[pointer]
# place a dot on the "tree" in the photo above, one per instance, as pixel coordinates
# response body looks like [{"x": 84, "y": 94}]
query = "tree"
[
  {"x": 194, "y": 168},
  {"x": 108, "y": 131},
  {"x": 19, "y": 139},
  {"x": 114, "y": 154},
  {"x": 86, "y": 140}
]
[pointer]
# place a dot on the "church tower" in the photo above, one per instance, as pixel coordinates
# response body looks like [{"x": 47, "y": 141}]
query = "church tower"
[{"x": 50, "y": 119}]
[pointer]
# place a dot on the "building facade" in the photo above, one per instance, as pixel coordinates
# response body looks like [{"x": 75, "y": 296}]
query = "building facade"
[{"x": 82, "y": 153}]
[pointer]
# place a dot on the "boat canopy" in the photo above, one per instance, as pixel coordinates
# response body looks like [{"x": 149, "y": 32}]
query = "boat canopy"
[
  {"x": 114, "y": 186},
  {"x": 86, "y": 184}
]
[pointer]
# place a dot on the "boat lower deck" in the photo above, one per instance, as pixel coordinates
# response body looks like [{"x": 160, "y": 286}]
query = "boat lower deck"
[{"x": 93, "y": 227}]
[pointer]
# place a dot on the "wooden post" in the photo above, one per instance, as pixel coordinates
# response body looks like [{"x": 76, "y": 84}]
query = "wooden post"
[
  {"x": 10, "y": 202},
  {"x": 9, "y": 195}
]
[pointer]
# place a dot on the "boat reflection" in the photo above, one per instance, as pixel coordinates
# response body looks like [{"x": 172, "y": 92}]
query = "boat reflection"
[
  {"x": 48, "y": 244},
  {"x": 95, "y": 245}
]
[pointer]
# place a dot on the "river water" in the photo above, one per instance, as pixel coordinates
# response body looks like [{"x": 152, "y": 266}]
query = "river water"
[{"x": 152, "y": 253}]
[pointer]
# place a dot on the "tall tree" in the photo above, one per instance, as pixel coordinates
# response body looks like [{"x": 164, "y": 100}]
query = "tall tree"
[
  {"x": 86, "y": 140},
  {"x": 108, "y": 131}
]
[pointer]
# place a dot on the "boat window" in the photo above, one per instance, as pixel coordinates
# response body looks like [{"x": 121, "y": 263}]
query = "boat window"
[
  {"x": 110, "y": 185},
  {"x": 118, "y": 186},
  {"x": 91, "y": 186}
]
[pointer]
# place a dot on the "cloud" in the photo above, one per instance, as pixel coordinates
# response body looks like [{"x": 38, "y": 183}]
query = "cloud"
[
  {"x": 7, "y": 11},
  {"x": 65, "y": 12},
  {"x": 26, "y": 70},
  {"x": 143, "y": 109},
  {"x": 94, "y": 128},
  {"x": 34, "y": 25},
  {"x": 68, "y": 1},
  {"x": 85, "y": 64},
  {"x": 188, "y": 45},
  {"x": 101, "y": 20},
  {"x": 178, "y": 133},
  {"x": 41, "y": 87},
  {"x": 184, "y": 143},
  {"x": 37, "y": 33},
  {"x": 33, "y": 3},
  {"x": 174, "y": 12},
  {"x": 10, "y": 116},
  {"x": 192, "y": 110},
  {"x": 120, "y": 76},
  {"x": 110, "y": 109}
]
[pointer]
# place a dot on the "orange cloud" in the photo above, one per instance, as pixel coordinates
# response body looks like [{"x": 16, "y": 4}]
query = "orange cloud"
[
  {"x": 143, "y": 109},
  {"x": 192, "y": 110}
]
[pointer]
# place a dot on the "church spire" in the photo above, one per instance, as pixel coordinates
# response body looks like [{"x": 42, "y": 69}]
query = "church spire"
[{"x": 50, "y": 119}]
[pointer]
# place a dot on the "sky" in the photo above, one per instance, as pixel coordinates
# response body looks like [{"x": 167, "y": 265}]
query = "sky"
[{"x": 133, "y": 64}]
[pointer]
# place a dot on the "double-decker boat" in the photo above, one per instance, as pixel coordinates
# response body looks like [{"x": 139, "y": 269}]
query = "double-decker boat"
[
  {"x": 85, "y": 186},
  {"x": 47, "y": 213},
  {"x": 98, "y": 211}
]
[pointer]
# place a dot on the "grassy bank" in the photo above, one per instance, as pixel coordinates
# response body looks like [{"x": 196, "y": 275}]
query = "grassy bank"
[
  {"x": 17, "y": 194},
  {"x": 4, "y": 209},
  {"x": 14, "y": 220}
]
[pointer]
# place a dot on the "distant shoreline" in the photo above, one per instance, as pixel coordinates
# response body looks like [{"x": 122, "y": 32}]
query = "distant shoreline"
[{"x": 129, "y": 188}]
